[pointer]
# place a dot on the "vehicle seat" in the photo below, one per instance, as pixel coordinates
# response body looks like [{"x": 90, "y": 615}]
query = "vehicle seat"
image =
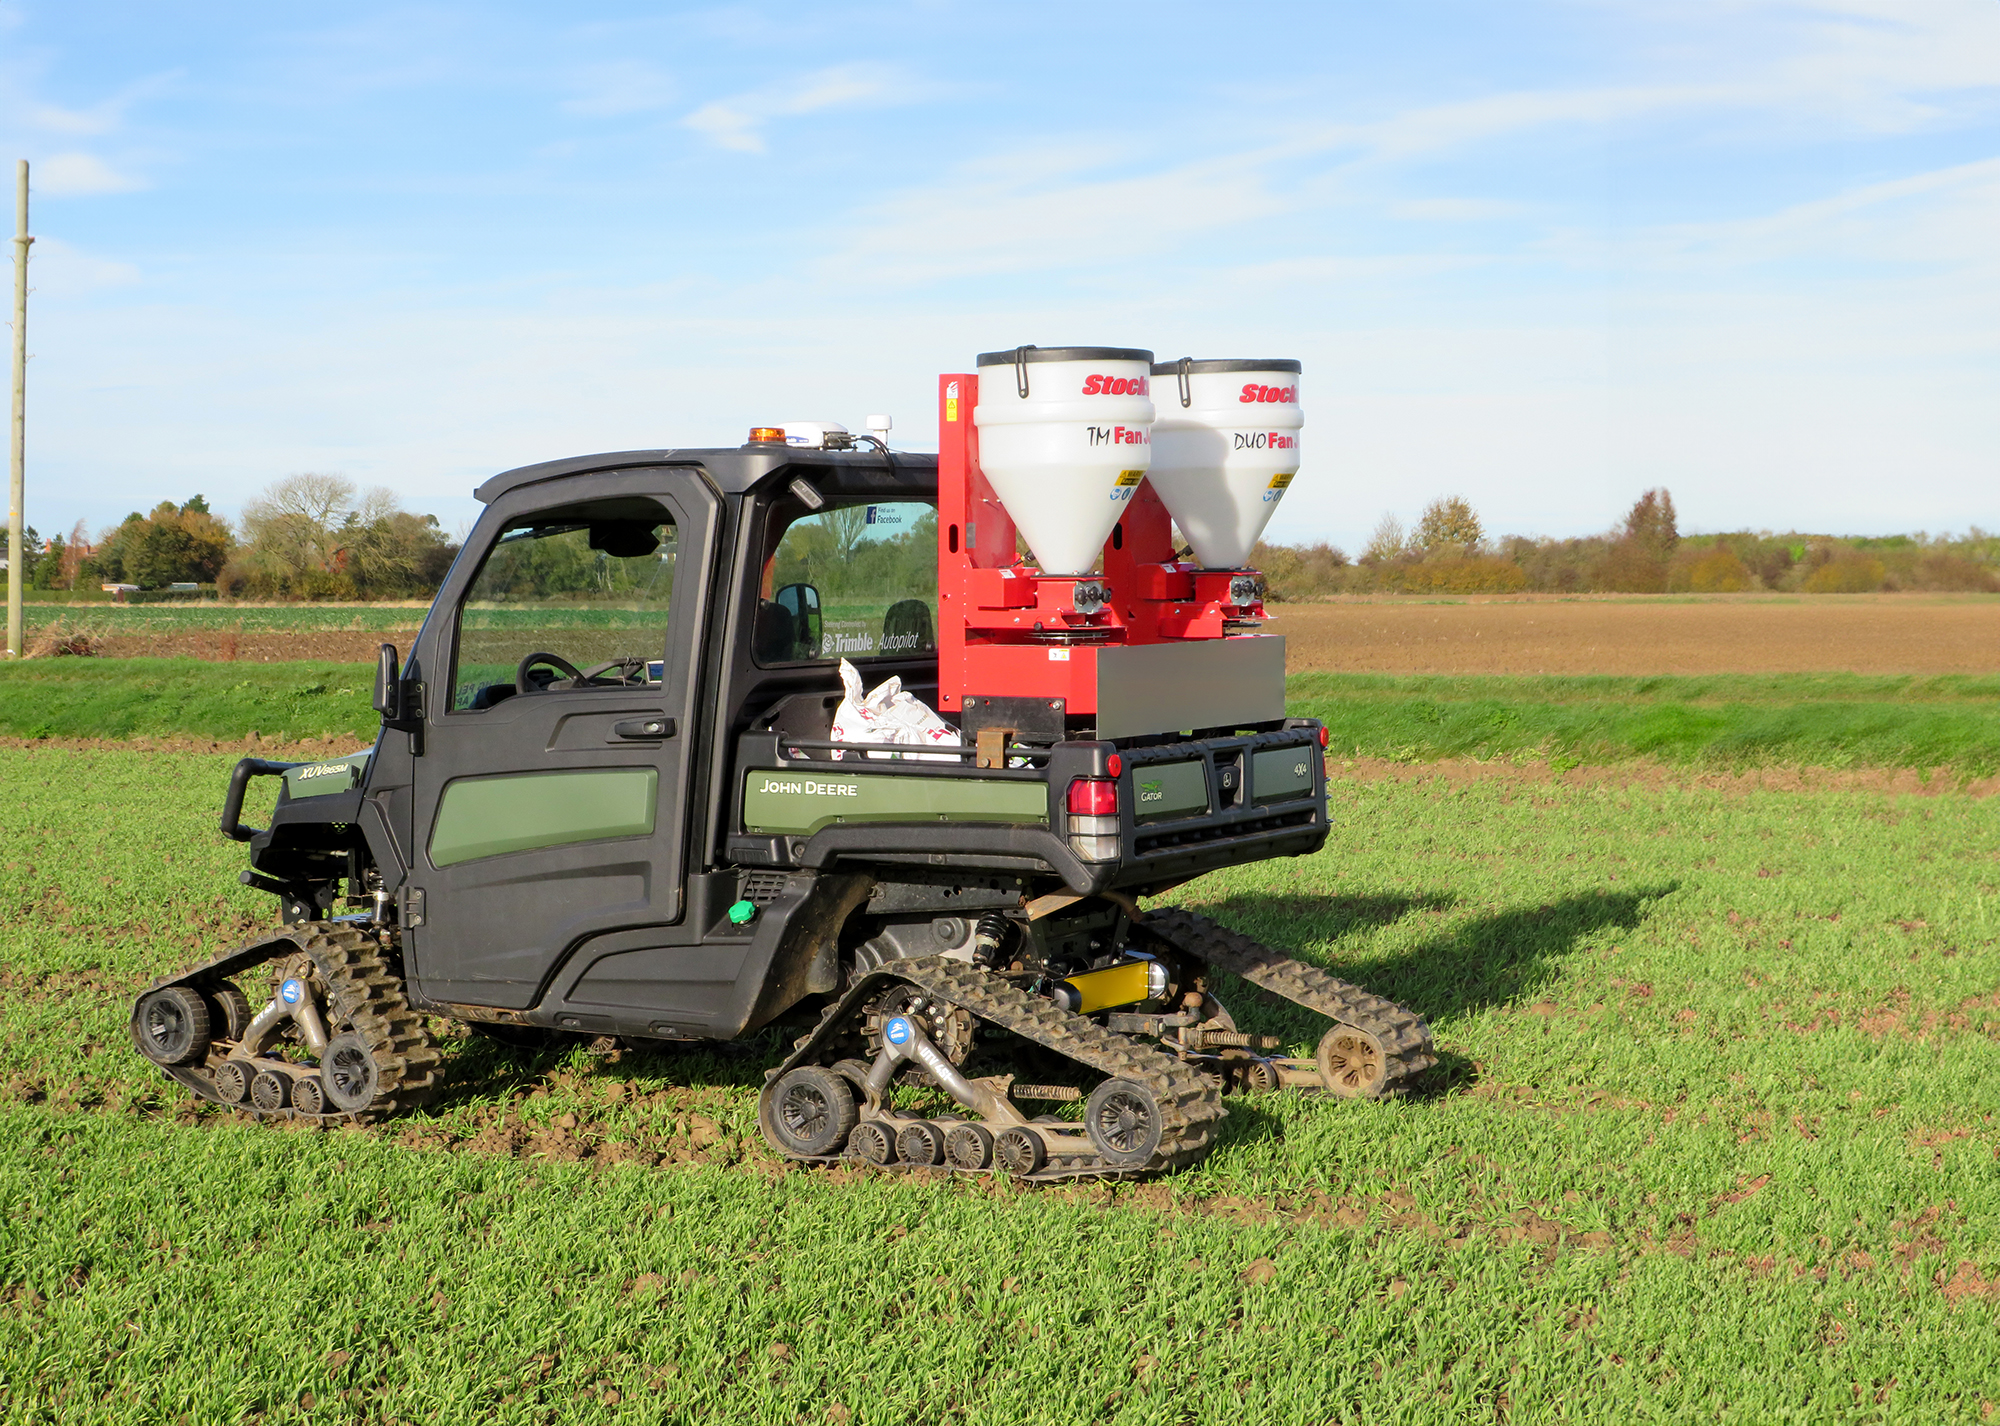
[
  {"x": 906, "y": 628},
  {"x": 776, "y": 635}
]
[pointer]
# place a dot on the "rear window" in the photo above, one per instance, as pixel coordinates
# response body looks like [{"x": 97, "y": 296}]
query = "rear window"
[{"x": 855, "y": 582}]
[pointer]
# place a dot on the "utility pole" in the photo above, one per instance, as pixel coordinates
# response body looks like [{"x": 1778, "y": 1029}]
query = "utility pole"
[{"x": 16, "y": 534}]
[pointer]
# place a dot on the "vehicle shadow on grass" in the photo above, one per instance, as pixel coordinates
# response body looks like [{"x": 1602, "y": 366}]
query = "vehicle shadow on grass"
[
  {"x": 481, "y": 1069},
  {"x": 478, "y": 1070},
  {"x": 1503, "y": 958}
]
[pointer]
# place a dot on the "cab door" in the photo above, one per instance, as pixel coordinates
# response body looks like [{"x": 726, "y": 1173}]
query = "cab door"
[{"x": 549, "y": 797}]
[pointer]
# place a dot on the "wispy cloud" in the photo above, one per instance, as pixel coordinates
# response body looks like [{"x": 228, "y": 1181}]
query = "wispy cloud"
[
  {"x": 631, "y": 86},
  {"x": 738, "y": 123},
  {"x": 63, "y": 270},
  {"x": 79, "y": 175}
]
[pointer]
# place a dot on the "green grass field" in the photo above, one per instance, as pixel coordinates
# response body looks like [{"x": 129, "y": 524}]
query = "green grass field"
[
  {"x": 1821, "y": 720},
  {"x": 1723, "y": 720},
  {"x": 1713, "y": 1138}
]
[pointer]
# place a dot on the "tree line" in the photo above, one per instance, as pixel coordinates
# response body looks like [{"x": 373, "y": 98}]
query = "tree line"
[
  {"x": 307, "y": 536},
  {"x": 316, "y": 536},
  {"x": 1449, "y": 552}
]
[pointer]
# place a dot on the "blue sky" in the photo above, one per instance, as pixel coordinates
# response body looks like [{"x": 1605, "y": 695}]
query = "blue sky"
[{"x": 1543, "y": 255}]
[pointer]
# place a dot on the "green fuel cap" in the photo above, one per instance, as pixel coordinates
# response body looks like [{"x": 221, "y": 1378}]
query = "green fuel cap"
[{"x": 742, "y": 913}]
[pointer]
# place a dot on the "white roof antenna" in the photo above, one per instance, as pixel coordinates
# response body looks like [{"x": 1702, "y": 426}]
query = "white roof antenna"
[{"x": 878, "y": 427}]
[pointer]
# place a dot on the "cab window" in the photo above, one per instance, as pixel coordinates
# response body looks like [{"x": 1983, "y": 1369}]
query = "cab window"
[
  {"x": 566, "y": 600},
  {"x": 855, "y": 582}
]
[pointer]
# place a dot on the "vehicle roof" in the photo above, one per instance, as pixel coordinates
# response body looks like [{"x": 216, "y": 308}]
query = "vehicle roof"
[{"x": 735, "y": 469}]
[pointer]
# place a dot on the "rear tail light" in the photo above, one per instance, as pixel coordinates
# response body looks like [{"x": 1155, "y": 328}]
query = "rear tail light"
[
  {"x": 1093, "y": 797},
  {"x": 1322, "y": 735},
  {"x": 1093, "y": 818}
]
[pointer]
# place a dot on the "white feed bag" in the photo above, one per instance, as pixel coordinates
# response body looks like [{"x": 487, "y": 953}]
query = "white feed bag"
[
  {"x": 1065, "y": 437},
  {"x": 888, "y": 715},
  {"x": 1225, "y": 449}
]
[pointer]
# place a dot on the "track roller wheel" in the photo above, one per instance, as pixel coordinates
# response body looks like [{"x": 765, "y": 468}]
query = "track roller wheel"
[
  {"x": 307, "y": 1096},
  {"x": 270, "y": 1089},
  {"x": 921, "y": 1143},
  {"x": 872, "y": 1144},
  {"x": 1260, "y": 1077},
  {"x": 968, "y": 1146},
  {"x": 172, "y": 1026},
  {"x": 229, "y": 1010},
  {"x": 1019, "y": 1151},
  {"x": 232, "y": 1081},
  {"x": 1351, "y": 1063},
  {"x": 1124, "y": 1121},
  {"x": 348, "y": 1073},
  {"x": 809, "y": 1112}
]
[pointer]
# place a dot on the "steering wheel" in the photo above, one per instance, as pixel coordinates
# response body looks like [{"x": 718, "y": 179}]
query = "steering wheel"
[{"x": 540, "y": 656}]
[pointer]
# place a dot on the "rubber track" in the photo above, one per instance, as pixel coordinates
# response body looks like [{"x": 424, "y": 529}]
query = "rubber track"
[
  {"x": 1406, "y": 1039},
  {"x": 363, "y": 993},
  {"x": 1189, "y": 1100}
]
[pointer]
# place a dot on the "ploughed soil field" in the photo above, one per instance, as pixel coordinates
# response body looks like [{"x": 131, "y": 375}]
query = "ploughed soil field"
[
  {"x": 1895, "y": 633},
  {"x": 1632, "y": 635}
]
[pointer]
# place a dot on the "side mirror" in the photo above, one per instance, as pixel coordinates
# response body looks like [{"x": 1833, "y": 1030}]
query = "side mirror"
[
  {"x": 388, "y": 685},
  {"x": 802, "y": 601}
]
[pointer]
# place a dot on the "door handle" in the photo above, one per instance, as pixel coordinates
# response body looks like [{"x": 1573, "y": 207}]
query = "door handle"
[{"x": 642, "y": 730}]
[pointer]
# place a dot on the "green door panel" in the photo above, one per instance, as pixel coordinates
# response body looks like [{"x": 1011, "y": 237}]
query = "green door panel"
[
  {"x": 1164, "y": 790},
  {"x": 797, "y": 803},
  {"x": 1279, "y": 773},
  {"x": 485, "y": 816}
]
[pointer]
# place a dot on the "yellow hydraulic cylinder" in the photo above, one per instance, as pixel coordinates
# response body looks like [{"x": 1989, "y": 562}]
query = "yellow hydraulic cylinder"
[{"x": 1126, "y": 983}]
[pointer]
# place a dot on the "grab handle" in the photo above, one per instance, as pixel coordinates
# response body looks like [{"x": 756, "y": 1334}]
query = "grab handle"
[{"x": 239, "y": 781}]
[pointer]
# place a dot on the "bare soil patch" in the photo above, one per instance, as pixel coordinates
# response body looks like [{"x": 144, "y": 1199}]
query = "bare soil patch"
[
  {"x": 256, "y": 645},
  {"x": 1626, "y": 635},
  {"x": 1880, "y": 634}
]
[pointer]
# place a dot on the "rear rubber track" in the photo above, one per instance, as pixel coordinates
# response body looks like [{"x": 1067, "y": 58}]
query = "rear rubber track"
[
  {"x": 1190, "y": 1104},
  {"x": 363, "y": 992},
  {"x": 1405, "y": 1038}
]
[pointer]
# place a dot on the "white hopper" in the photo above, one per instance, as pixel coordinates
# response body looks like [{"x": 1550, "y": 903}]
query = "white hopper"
[
  {"x": 1225, "y": 449},
  {"x": 1065, "y": 437}
]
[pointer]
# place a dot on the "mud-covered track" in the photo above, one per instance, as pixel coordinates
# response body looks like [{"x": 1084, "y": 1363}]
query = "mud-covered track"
[
  {"x": 1407, "y": 1050},
  {"x": 1190, "y": 1104}
]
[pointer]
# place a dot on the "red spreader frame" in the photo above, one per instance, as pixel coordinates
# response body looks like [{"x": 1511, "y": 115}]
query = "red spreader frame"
[{"x": 1007, "y": 630}]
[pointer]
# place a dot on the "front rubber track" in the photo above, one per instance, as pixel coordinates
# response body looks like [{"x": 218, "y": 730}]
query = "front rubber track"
[{"x": 363, "y": 992}]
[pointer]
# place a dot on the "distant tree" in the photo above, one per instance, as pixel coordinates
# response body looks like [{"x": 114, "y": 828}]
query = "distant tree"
[
  {"x": 1849, "y": 571},
  {"x": 387, "y": 551},
  {"x": 289, "y": 529},
  {"x": 1637, "y": 560},
  {"x": 31, "y": 551},
  {"x": 1719, "y": 572},
  {"x": 1650, "y": 524},
  {"x": 1448, "y": 528},
  {"x": 1299, "y": 571},
  {"x": 174, "y": 544},
  {"x": 49, "y": 568},
  {"x": 1388, "y": 544},
  {"x": 313, "y": 536}
]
